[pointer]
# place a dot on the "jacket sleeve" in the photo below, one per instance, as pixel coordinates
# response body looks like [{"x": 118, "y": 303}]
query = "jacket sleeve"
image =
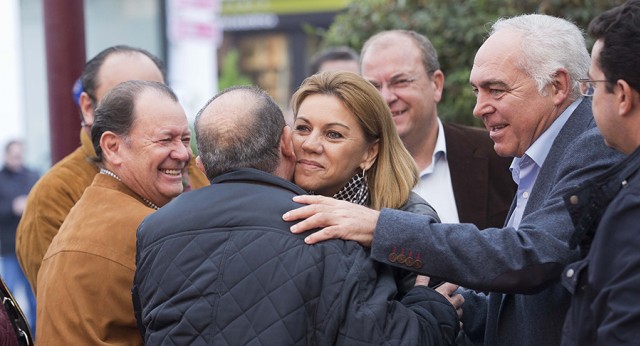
[
  {"x": 524, "y": 260},
  {"x": 374, "y": 317},
  {"x": 48, "y": 204},
  {"x": 405, "y": 278}
]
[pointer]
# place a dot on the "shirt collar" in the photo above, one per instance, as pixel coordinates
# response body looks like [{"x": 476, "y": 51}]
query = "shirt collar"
[
  {"x": 439, "y": 151},
  {"x": 539, "y": 150},
  {"x": 441, "y": 146}
]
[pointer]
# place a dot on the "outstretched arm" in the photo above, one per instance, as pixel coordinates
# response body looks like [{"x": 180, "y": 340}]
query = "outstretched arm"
[{"x": 336, "y": 219}]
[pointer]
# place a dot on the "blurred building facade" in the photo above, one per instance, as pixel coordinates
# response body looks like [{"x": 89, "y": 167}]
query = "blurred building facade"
[{"x": 268, "y": 41}]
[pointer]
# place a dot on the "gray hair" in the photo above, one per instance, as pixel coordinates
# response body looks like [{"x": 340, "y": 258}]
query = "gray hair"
[
  {"x": 548, "y": 44},
  {"x": 250, "y": 140}
]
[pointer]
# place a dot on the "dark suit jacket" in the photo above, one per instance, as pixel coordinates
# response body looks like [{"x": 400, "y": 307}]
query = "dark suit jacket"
[
  {"x": 521, "y": 267},
  {"x": 482, "y": 183}
]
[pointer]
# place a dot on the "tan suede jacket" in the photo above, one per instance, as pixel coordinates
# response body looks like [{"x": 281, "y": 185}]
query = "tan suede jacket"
[
  {"x": 53, "y": 196},
  {"x": 84, "y": 284}
]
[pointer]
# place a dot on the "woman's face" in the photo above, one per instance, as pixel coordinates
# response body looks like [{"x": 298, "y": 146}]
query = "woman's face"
[{"x": 329, "y": 144}]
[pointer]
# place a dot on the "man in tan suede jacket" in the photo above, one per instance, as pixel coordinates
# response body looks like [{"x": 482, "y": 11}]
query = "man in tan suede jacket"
[
  {"x": 141, "y": 138},
  {"x": 61, "y": 187}
]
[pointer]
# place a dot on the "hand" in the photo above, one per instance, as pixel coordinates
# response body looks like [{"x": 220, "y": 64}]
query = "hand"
[
  {"x": 448, "y": 291},
  {"x": 422, "y": 280},
  {"x": 337, "y": 219}
]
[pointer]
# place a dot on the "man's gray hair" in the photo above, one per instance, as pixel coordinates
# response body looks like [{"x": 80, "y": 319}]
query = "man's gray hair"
[
  {"x": 252, "y": 140},
  {"x": 548, "y": 44}
]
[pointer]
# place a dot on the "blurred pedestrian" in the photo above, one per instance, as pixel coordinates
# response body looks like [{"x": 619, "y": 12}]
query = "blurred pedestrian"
[{"x": 16, "y": 181}]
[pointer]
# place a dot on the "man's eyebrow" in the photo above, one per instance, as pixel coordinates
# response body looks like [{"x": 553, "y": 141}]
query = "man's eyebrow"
[
  {"x": 399, "y": 75},
  {"x": 492, "y": 83},
  {"x": 394, "y": 77}
]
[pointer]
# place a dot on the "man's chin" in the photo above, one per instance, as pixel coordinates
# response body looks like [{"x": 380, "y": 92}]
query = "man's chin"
[{"x": 503, "y": 151}]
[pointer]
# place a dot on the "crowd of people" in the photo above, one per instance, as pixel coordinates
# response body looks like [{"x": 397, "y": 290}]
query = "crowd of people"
[{"x": 365, "y": 221}]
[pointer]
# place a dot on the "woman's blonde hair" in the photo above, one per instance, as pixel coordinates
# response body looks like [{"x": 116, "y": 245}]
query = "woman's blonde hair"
[{"x": 394, "y": 173}]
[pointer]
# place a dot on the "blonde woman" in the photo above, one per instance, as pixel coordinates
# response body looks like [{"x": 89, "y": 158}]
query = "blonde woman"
[{"x": 347, "y": 147}]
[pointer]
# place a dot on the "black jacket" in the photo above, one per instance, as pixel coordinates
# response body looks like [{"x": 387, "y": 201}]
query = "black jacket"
[
  {"x": 605, "y": 285},
  {"x": 219, "y": 266}
]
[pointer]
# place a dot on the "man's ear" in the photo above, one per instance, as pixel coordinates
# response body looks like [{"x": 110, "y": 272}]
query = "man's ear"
[
  {"x": 287, "y": 165},
  {"x": 286, "y": 144},
  {"x": 111, "y": 145},
  {"x": 200, "y": 165},
  {"x": 626, "y": 97},
  {"x": 86, "y": 107},
  {"x": 438, "y": 85},
  {"x": 560, "y": 86}
]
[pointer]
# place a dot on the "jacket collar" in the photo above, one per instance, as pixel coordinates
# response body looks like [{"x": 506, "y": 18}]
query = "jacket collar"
[
  {"x": 108, "y": 182},
  {"x": 254, "y": 175},
  {"x": 87, "y": 144},
  {"x": 587, "y": 202}
]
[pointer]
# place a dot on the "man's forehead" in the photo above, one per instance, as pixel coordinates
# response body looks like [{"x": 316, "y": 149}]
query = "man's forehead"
[
  {"x": 124, "y": 66},
  {"x": 389, "y": 39},
  {"x": 151, "y": 104},
  {"x": 391, "y": 55}
]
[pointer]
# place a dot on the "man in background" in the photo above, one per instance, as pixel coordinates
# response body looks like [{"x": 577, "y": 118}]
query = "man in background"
[
  {"x": 461, "y": 175},
  {"x": 340, "y": 58},
  {"x": 62, "y": 186}
]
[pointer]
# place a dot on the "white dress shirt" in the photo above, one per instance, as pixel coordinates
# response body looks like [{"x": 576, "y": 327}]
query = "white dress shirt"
[{"x": 435, "y": 182}]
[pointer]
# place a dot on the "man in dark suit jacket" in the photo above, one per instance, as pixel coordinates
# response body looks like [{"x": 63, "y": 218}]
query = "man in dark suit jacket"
[
  {"x": 529, "y": 98},
  {"x": 461, "y": 176}
]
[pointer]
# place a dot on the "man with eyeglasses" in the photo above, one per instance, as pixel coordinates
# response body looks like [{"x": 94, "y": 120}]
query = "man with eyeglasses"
[
  {"x": 403, "y": 65},
  {"x": 525, "y": 77},
  {"x": 605, "y": 283}
]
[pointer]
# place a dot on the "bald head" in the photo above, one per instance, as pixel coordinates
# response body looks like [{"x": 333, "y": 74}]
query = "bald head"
[
  {"x": 228, "y": 114},
  {"x": 111, "y": 67},
  {"x": 240, "y": 127}
]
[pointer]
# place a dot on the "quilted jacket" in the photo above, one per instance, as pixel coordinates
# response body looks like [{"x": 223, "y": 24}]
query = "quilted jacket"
[{"x": 218, "y": 266}]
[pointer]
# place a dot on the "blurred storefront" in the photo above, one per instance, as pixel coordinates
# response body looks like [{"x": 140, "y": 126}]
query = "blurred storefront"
[{"x": 273, "y": 40}]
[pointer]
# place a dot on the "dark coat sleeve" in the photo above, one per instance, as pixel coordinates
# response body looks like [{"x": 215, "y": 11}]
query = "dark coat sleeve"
[
  {"x": 524, "y": 260},
  {"x": 374, "y": 317}
]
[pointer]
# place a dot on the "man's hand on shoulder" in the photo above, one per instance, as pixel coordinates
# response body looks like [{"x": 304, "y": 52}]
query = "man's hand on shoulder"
[{"x": 334, "y": 218}]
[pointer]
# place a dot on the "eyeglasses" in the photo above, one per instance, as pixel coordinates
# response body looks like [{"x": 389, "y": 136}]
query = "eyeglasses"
[
  {"x": 588, "y": 87},
  {"x": 395, "y": 83}
]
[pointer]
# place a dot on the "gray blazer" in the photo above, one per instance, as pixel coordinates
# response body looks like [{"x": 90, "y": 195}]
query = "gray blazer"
[{"x": 521, "y": 267}]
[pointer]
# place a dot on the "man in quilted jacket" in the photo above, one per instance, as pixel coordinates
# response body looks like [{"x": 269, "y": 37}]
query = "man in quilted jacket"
[{"x": 218, "y": 265}]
